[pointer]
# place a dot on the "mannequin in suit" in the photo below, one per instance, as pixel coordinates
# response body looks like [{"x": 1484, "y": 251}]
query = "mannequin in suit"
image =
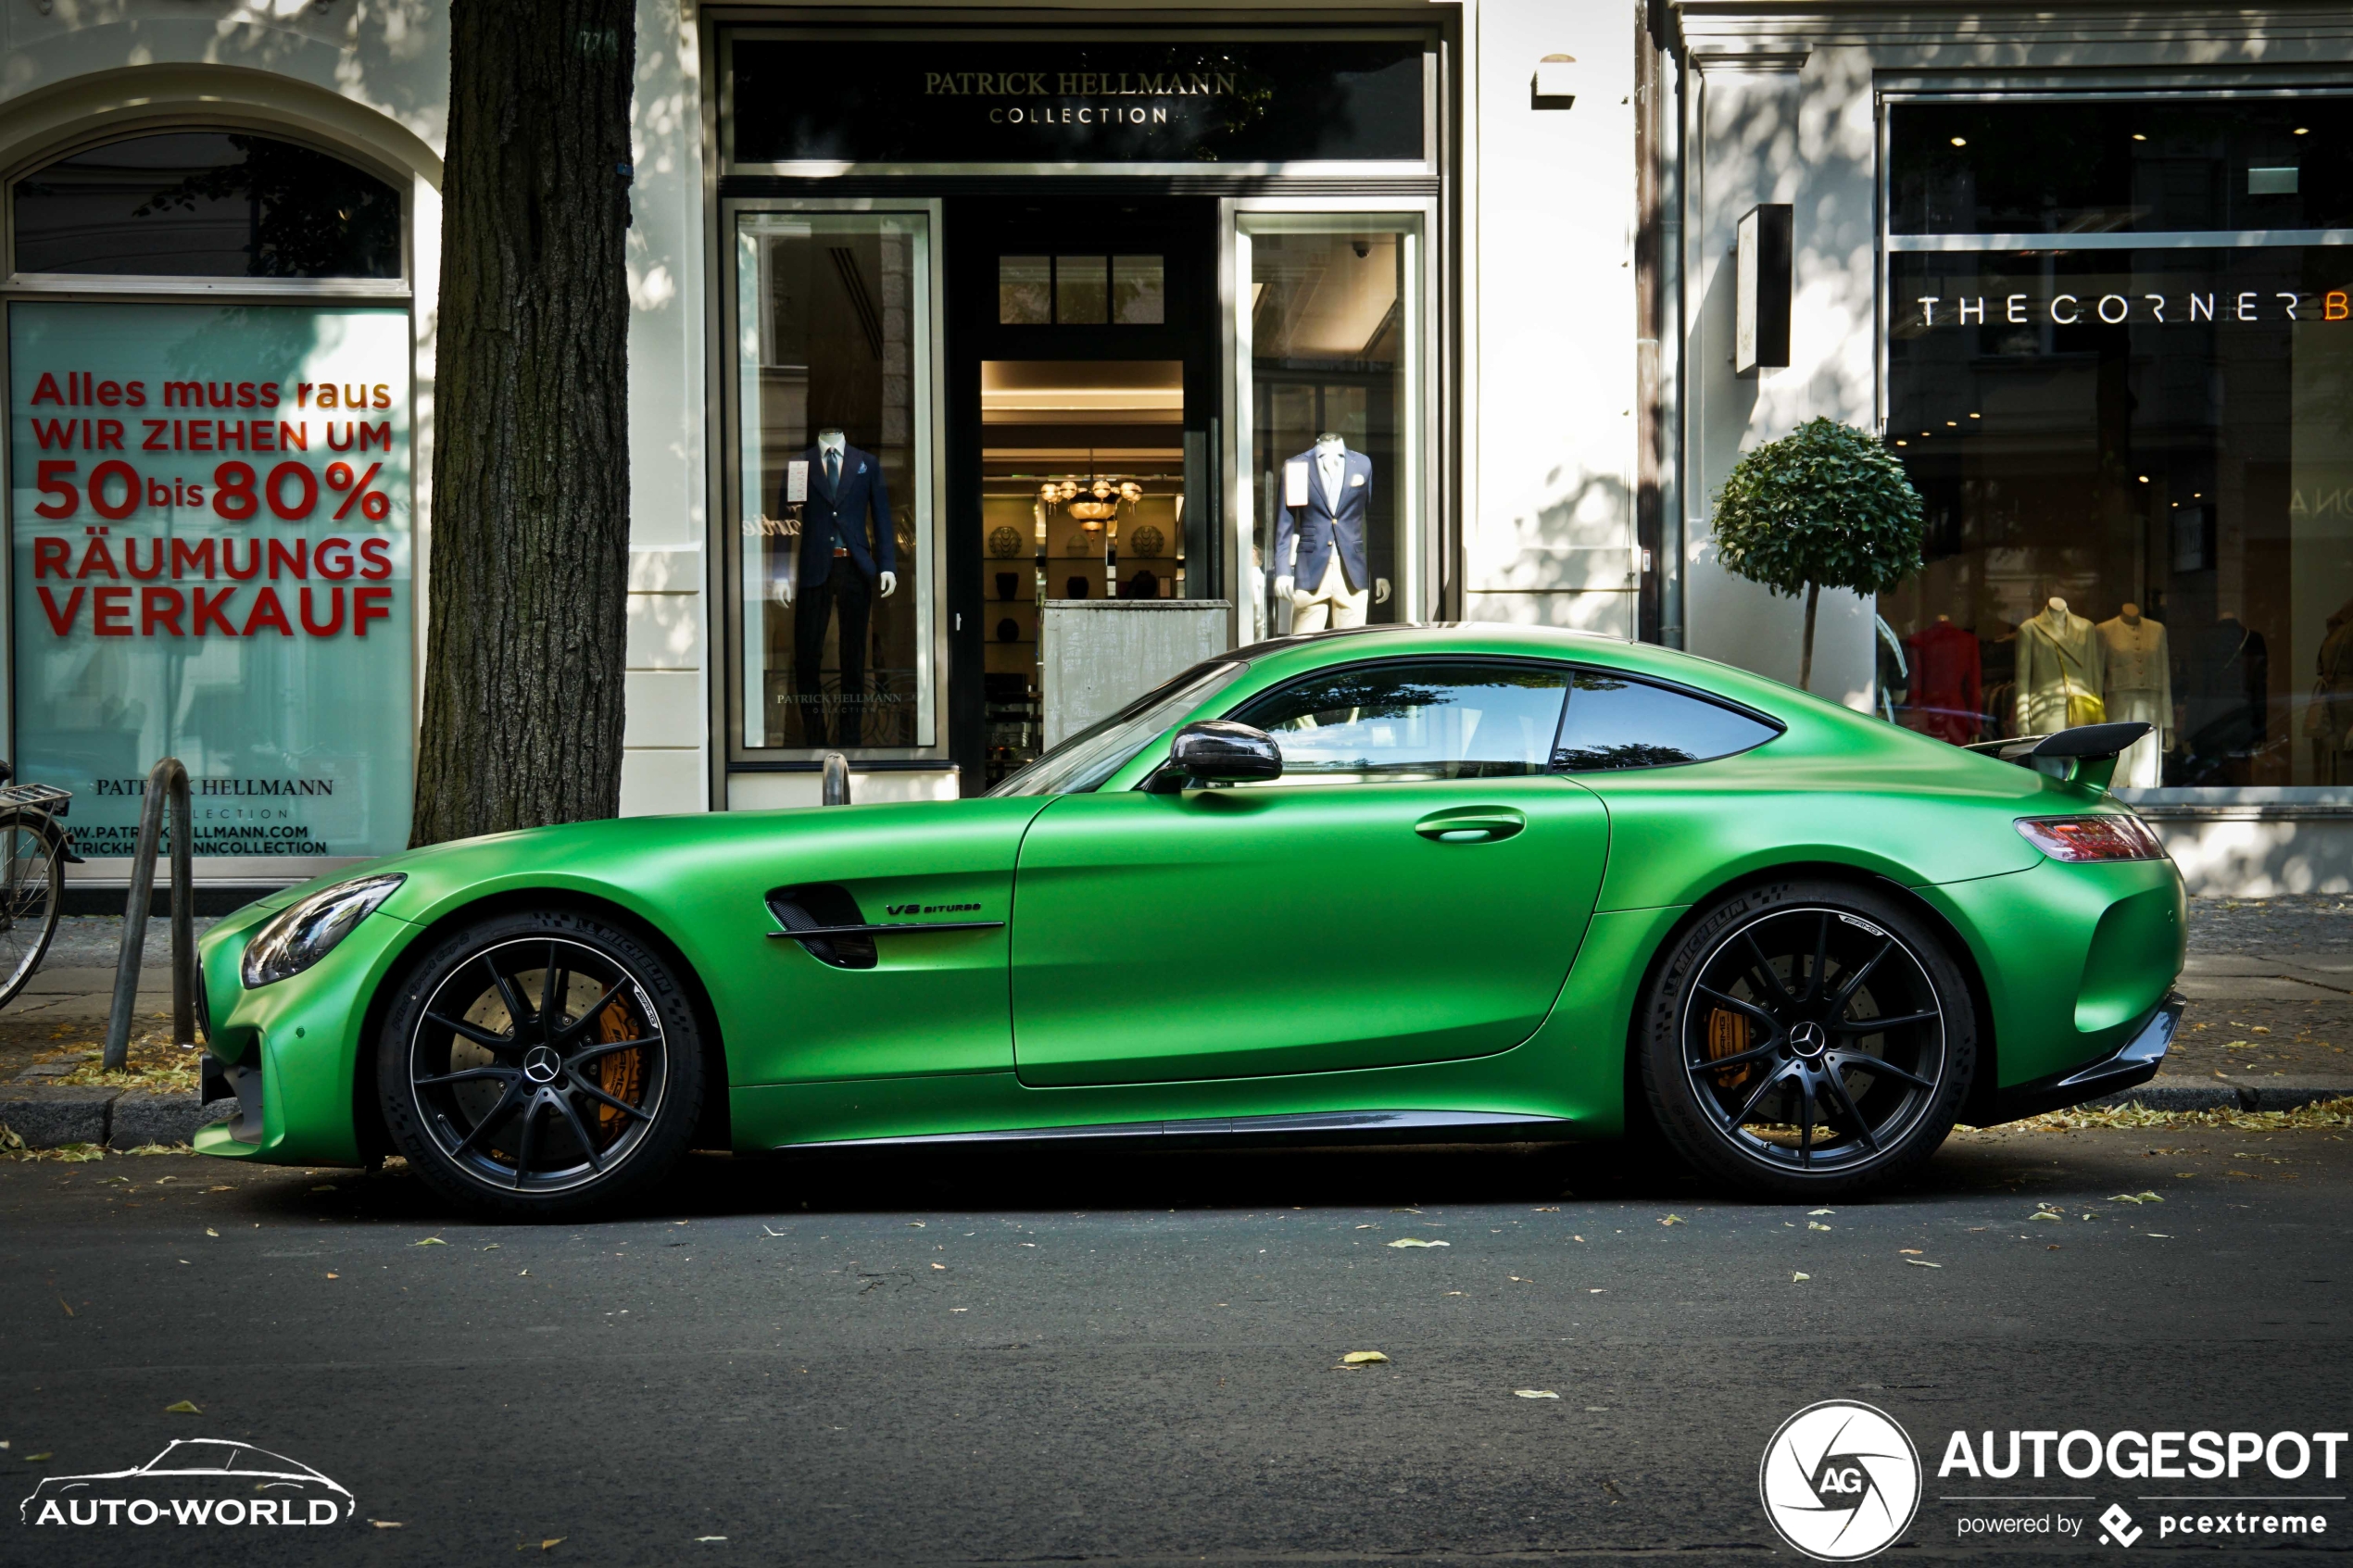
[
  {"x": 2140, "y": 685},
  {"x": 1319, "y": 538},
  {"x": 2062, "y": 669},
  {"x": 836, "y": 566}
]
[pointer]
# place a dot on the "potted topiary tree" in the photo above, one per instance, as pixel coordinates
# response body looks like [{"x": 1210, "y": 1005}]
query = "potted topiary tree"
[{"x": 1824, "y": 507}]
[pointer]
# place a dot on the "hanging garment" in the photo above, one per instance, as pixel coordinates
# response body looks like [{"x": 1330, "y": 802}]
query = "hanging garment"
[
  {"x": 1947, "y": 683},
  {"x": 2061, "y": 665},
  {"x": 2328, "y": 722},
  {"x": 2226, "y": 684},
  {"x": 2140, "y": 686}
]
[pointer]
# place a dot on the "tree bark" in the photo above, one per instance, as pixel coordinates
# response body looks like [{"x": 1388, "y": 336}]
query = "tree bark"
[
  {"x": 1806, "y": 655},
  {"x": 530, "y": 561}
]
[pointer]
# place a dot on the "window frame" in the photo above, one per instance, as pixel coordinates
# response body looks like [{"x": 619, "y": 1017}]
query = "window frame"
[
  {"x": 378, "y": 291},
  {"x": 1777, "y": 727}
]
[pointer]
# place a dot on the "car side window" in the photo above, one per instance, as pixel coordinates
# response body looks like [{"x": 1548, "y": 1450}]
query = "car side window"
[
  {"x": 1414, "y": 721},
  {"x": 1615, "y": 722}
]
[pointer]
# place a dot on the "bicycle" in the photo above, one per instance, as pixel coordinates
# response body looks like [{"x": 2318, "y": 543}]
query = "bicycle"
[{"x": 35, "y": 848}]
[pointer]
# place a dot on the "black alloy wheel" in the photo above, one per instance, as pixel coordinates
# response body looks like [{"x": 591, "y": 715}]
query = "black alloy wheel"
[
  {"x": 1808, "y": 1040},
  {"x": 538, "y": 1064}
]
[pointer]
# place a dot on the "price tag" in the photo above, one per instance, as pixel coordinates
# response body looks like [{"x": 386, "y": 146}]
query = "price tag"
[
  {"x": 1295, "y": 483},
  {"x": 796, "y": 481}
]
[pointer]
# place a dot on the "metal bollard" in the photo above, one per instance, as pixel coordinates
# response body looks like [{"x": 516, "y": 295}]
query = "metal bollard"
[
  {"x": 836, "y": 779},
  {"x": 168, "y": 778}
]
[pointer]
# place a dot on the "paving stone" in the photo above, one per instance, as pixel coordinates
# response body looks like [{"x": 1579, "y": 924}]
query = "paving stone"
[{"x": 45, "y": 1115}]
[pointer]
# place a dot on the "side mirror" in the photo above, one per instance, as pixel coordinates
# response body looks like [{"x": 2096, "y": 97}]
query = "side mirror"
[{"x": 1220, "y": 751}]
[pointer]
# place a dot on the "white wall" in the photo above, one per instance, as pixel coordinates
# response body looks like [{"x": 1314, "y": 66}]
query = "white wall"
[{"x": 1548, "y": 320}]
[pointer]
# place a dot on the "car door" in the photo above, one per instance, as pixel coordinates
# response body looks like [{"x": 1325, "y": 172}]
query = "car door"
[{"x": 1413, "y": 889}]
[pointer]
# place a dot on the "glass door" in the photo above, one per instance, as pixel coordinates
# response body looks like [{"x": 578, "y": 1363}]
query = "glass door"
[{"x": 1331, "y": 432}]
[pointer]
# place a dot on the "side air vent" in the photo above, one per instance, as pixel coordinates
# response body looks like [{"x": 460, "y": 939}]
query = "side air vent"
[{"x": 825, "y": 906}]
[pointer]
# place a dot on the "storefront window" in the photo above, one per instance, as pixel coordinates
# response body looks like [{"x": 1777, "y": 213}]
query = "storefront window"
[
  {"x": 1330, "y": 506},
  {"x": 2136, "y": 455},
  {"x": 834, "y": 555},
  {"x": 209, "y": 514},
  {"x": 207, "y": 204}
]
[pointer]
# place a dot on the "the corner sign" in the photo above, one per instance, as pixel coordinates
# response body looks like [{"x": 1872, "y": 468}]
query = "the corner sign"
[{"x": 2182, "y": 308}]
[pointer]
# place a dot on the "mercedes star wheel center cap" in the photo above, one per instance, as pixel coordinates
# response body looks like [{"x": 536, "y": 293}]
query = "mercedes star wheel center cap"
[
  {"x": 540, "y": 1064},
  {"x": 1808, "y": 1040}
]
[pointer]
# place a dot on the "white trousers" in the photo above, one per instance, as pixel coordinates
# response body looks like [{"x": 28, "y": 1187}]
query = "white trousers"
[
  {"x": 1330, "y": 605},
  {"x": 2143, "y": 763}
]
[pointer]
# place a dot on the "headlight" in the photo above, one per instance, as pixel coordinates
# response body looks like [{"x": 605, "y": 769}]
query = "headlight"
[{"x": 308, "y": 932}]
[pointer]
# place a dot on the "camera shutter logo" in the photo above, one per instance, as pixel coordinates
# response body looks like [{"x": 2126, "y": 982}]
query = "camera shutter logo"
[{"x": 1840, "y": 1481}]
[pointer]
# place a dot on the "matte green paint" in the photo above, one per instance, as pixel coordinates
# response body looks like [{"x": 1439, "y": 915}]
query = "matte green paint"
[{"x": 1243, "y": 952}]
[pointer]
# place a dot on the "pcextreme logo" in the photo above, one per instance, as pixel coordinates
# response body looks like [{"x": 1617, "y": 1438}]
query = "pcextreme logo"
[
  {"x": 194, "y": 1481},
  {"x": 1840, "y": 1481}
]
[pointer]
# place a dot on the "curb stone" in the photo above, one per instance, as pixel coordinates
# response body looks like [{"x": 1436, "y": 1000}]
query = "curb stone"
[
  {"x": 2159, "y": 1094},
  {"x": 46, "y": 1115},
  {"x": 140, "y": 1118}
]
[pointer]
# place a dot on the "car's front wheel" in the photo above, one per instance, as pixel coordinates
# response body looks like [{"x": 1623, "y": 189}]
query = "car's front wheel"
[
  {"x": 1807, "y": 1040},
  {"x": 538, "y": 1063}
]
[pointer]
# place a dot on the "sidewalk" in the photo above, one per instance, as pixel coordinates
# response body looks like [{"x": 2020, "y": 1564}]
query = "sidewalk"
[{"x": 2269, "y": 1026}]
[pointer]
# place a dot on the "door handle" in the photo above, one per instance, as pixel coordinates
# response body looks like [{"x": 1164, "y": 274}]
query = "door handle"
[{"x": 1471, "y": 825}]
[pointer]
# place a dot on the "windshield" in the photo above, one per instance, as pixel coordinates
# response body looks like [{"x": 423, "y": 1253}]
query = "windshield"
[{"x": 1095, "y": 753}]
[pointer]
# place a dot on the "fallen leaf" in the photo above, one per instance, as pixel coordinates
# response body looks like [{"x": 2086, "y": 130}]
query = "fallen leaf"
[
  {"x": 1909, "y": 1251},
  {"x": 711, "y": 1537},
  {"x": 388, "y": 1524},
  {"x": 2156, "y": 1236},
  {"x": 1816, "y": 1225},
  {"x": 210, "y": 1231},
  {"x": 221, "y": 1189},
  {"x": 2044, "y": 1214},
  {"x": 914, "y": 1224},
  {"x": 941, "y": 1267},
  {"x": 36, "y": 1458},
  {"x": 1417, "y": 1241},
  {"x": 1674, "y": 1220},
  {"x": 552, "y": 1542},
  {"x": 430, "y": 1241},
  {"x": 1597, "y": 1292},
  {"x": 1451, "y": 1293},
  {"x": 328, "y": 1188},
  {"x": 1362, "y": 1358},
  {"x": 1922, "y": 1263},
  {"x": 185, "y": 1407},
  {"x": 335, "y": 1276},
  {"x": 2151, "y": 1197},
  {"x": 1536, "y": 1393},
  {"x": 491, "y": 1248},
  {"x": 1819, "y": 1212},
  {"x": 1794, "y": 1278}
]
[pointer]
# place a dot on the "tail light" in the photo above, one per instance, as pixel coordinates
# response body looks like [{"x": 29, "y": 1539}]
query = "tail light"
[{"x": 2110, "y": 836}]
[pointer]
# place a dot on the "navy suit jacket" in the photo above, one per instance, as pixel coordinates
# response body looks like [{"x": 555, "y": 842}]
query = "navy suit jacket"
[
  {"x": 1319, "y": 530},
  {"x": 839, "y": 517}
]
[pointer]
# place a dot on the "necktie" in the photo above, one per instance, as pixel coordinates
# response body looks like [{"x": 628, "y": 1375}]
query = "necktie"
[
  {"x": 833, "y": 469},
  {"x": 1330, "y": 464}
]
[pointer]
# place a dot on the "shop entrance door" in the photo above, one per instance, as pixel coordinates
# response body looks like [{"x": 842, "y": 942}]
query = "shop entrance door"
[{"x": 1083, "y": 366}]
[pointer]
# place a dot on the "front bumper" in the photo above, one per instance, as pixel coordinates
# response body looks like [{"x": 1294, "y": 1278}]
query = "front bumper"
[{"x": 2133, "y": 1063}]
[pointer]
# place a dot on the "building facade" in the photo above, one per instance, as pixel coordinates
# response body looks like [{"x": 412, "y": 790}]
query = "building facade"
[{"x": 989, "y": 364}]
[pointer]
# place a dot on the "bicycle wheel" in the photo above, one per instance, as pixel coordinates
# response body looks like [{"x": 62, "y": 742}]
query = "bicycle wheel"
[{"x": 32, "y": 882}]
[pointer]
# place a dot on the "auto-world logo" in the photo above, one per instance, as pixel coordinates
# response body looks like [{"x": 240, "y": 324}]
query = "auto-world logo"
[
  {"x": 195, "y": 1481},
  {"x": 1840, "y": 1481}
]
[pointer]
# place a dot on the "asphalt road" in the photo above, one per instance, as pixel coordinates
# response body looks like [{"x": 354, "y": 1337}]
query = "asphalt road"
[{"x": 1132, "y": 1359}]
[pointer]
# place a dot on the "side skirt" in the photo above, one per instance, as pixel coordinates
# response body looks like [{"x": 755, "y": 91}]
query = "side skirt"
[{"x": 1314, "y": 1127}]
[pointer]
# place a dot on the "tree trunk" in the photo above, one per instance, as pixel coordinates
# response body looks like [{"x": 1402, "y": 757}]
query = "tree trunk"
[
  {"x": 530, "y": 560},
  {"x": 1805, "y": 656}
]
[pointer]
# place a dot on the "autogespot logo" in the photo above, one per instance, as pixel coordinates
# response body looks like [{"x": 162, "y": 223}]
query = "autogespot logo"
[{"x": 1840, "y": 1481}]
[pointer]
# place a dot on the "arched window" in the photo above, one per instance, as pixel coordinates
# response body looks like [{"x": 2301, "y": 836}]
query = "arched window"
[{"x": 207, "y": 204}]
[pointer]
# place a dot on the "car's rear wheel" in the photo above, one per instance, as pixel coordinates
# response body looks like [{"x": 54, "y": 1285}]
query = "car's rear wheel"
[
  {"x": 1807, "y": 1039},
  {"x": 540, "y": 1063}
]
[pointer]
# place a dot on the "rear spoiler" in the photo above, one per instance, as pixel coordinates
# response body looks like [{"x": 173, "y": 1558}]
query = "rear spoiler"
[{"x": 2085, "y": 753}]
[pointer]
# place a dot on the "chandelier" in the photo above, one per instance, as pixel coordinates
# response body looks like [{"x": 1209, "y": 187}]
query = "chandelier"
[{"x": 1092, "y": 503}]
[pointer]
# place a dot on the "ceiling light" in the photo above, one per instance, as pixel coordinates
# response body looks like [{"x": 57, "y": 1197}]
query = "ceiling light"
[
  {"x": 1963, "y": 140},
  {"x": 1976, "y": 416},
  {"x": 1901, "y": 442},
  {"x": 2138, "y": 137},
  {"x": 2145, "y": 479},
  {"x": 1952, "y": 424},
  {"x": 2303, "y": 131}
]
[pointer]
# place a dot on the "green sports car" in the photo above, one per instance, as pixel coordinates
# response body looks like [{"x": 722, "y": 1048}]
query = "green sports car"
[{"x": 1426, "y": 884}]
